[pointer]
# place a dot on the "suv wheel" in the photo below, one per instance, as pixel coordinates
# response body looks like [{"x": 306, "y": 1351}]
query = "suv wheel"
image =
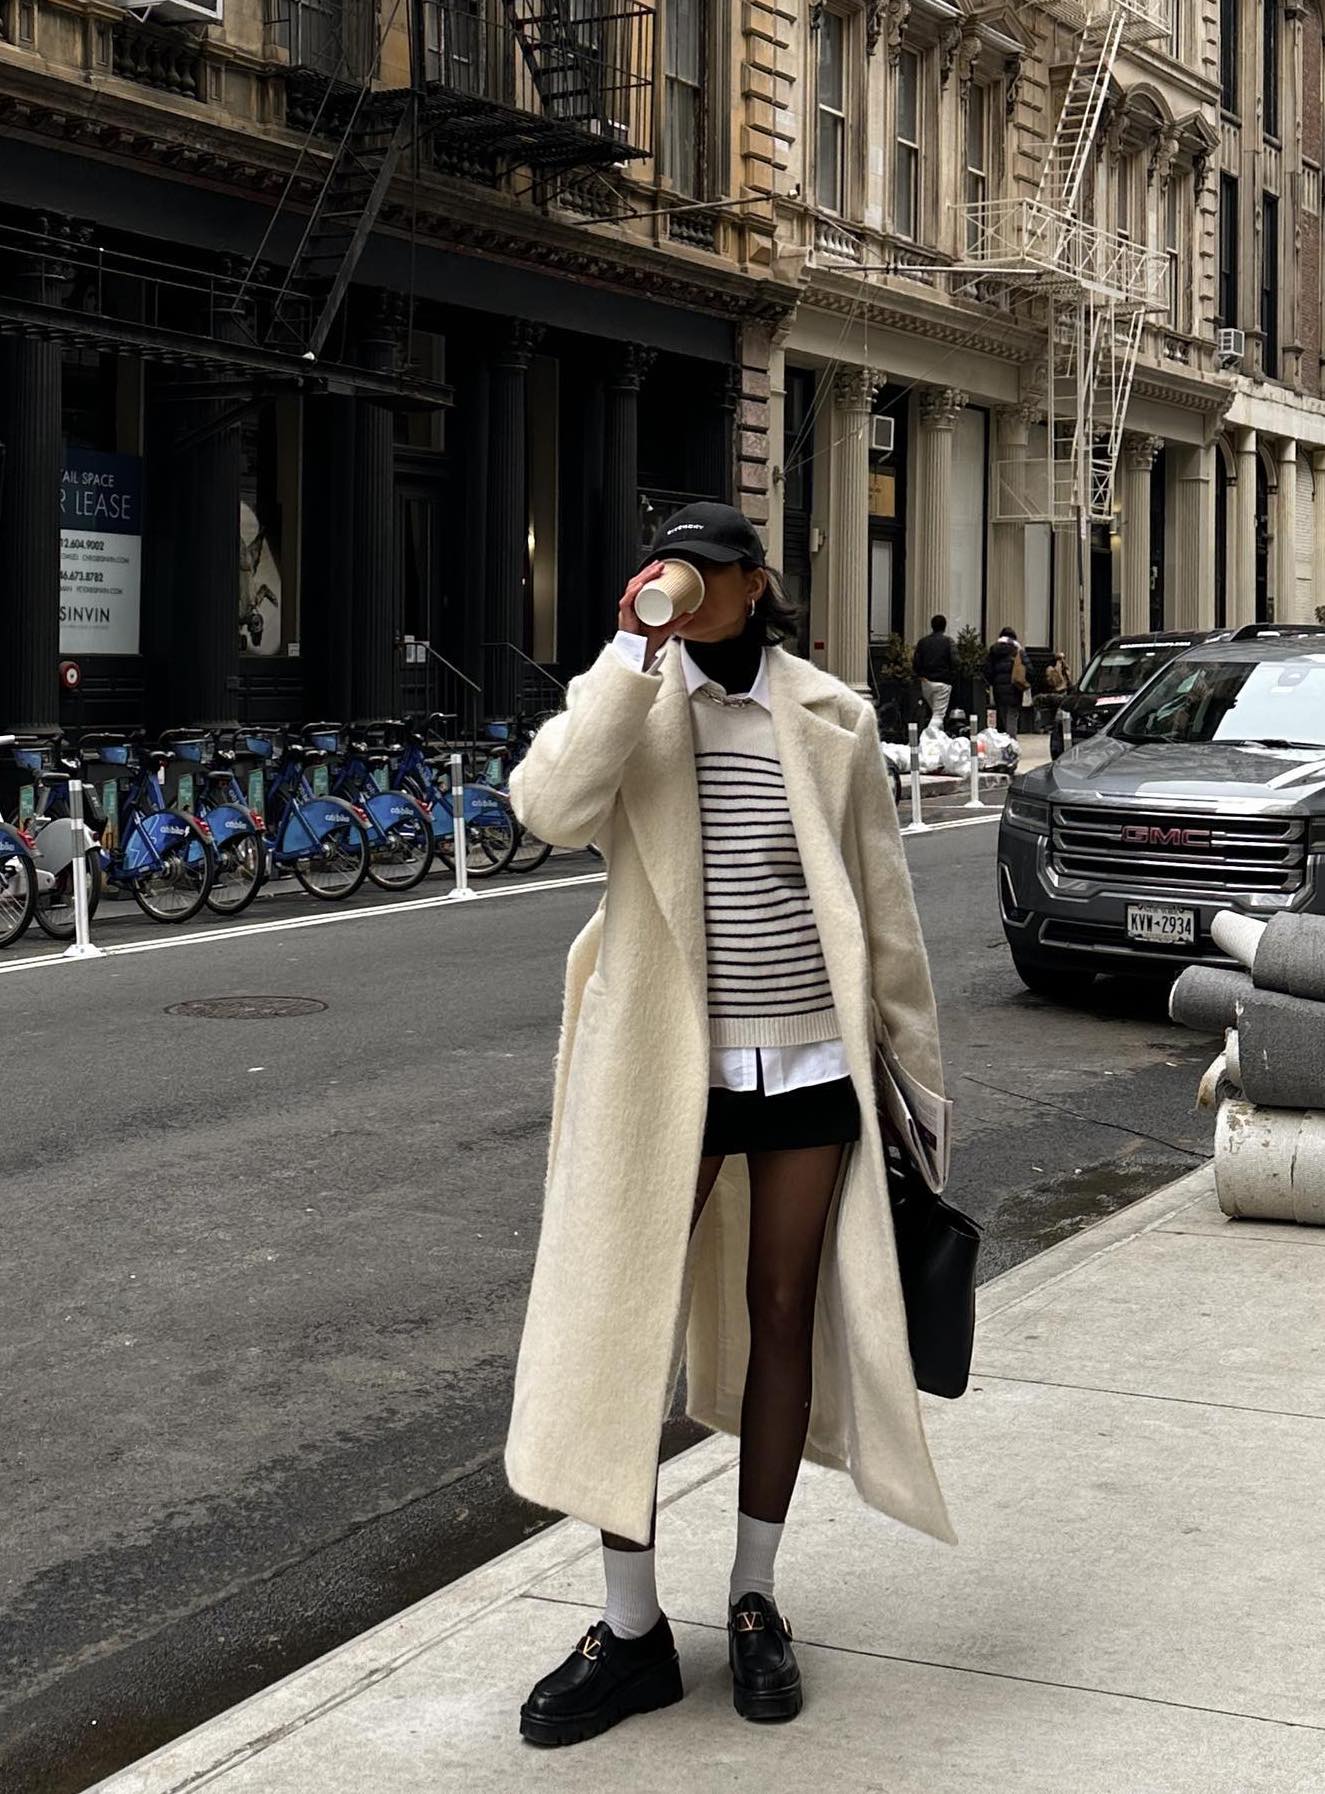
[{"x": 1061, "y": 980}]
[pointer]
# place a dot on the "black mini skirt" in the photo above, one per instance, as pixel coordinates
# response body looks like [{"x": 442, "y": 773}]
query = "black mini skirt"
[{"x": 753, "y": 1121}]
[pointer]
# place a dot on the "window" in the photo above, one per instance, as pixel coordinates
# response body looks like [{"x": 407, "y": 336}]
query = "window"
[
  {"x": 683, "y": 123},
  {"x": 832, "y": 111},
  {"x": 1270, "y": 284},
  {"x": 1228, "y": 54},
  {"x": 1175, "y": 29},
  {"x": 1173, "y": 252},
  {"x": 906, "y": 174},
  {"x": 977, "y": 159},
  {"x": 1270, "y": 69},
  {"x": 1129, "y": 213},
  {"x": 1228, "y": 251}
]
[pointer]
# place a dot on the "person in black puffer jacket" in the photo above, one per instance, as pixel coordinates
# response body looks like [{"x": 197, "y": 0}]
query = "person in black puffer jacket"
[
  {"x": 935, "y": 665},
  {"x": 1000, "y": 663}
]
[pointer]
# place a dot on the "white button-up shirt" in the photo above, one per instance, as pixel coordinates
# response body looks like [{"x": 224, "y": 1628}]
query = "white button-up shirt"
[{"x": 737, "y": 1068}]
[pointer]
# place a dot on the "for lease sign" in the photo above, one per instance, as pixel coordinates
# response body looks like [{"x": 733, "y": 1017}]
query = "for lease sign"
[{"x": 101, "y": 531}]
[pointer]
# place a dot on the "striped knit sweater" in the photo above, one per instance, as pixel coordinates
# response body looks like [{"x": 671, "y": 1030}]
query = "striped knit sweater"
[{"x": 767, "y": 984}]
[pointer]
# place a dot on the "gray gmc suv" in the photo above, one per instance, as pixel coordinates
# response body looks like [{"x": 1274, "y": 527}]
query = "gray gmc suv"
[{"x": 1206, "y": 793}]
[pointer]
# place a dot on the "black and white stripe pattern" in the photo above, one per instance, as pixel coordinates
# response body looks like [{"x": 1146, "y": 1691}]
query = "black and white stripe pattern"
[{"x": 767, "y": 983}]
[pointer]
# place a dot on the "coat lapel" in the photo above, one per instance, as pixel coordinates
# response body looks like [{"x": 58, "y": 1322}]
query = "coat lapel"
[{"x": 661, "y": 796}]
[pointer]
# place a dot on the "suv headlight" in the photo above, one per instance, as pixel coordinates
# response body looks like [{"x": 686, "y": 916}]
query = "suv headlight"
[{"x": 1030, "y": 813}]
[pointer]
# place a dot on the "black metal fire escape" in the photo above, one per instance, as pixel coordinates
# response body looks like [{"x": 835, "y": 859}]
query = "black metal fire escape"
[{"x": 547, "y": 85}]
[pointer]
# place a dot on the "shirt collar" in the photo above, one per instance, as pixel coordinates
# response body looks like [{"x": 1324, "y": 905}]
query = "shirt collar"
[{"x": 695, "y": 676}]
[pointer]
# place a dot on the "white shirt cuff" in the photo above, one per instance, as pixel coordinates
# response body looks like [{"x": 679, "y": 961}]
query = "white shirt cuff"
[{"x": 632, "y": 648}]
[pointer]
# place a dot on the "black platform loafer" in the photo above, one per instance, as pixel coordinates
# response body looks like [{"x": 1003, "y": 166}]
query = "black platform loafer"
[
  {"x": 766, "y": 1679},
  {"x": 605, "y": 1679}
]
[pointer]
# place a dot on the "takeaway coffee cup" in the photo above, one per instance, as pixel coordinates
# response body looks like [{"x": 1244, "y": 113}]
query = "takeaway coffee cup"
[{"x": 677, "y": 591}]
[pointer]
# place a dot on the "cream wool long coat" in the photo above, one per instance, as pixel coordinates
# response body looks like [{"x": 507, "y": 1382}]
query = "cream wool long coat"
[{"x": 620, "y": 1288}]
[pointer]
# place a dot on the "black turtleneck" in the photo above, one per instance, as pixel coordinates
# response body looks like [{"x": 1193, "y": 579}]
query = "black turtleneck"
[{"x": 734, "y": 661}]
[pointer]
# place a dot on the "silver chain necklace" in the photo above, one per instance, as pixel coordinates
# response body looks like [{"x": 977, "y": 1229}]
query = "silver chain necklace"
[{"x": 718, "y": 697}]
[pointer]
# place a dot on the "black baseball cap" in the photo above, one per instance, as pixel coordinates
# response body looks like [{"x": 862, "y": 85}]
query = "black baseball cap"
[{"x": 707, "y": 532}]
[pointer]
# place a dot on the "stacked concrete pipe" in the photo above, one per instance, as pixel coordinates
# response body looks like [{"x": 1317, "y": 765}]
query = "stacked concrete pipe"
[{"x": 1269, "y": 1082}]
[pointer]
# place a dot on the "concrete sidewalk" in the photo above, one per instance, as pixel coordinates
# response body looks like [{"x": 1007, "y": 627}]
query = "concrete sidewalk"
[{"x": 1136, "y": 1476}]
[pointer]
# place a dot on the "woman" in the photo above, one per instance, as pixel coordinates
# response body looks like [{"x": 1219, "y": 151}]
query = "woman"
[
  {"x": 716, "y": 1181},
  {"x": 1005, "y": 673}
]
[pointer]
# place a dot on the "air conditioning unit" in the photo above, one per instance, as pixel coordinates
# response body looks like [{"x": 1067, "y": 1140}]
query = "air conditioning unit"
[
  {"x": 175, "y": 12},
  {"x": 882, "y": 435},
  {"x": 1230, "y": 346}
]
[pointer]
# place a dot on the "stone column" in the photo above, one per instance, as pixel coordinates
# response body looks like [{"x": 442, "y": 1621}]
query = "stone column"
[
  {"x": 1285, "y": 536},
  {"x": 1193, "y": 578},
  {"x": 508, "y": 513},
  {"x": 777, "y": 426},
  {"x": 1138, "y": 458},
  {"x": 847, "y": 636},
  {"x": 1318, "y": 519},
  {"x": 30, "y": 533},
  {"x": 1242, "y": 595},
  {"x": 30, "y": 511},
  {"x": 621, "y": 517},
  {"x": 374, "y": 668},
  {"x": 930, "y": 540},
  {"x": 1007, "y": 556}
]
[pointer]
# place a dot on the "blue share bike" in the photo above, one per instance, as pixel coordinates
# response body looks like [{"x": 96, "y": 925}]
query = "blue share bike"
[
  {"x": 423, "y": 770},
  {"x": 162, "y": 858},
  {"x": 208, "y": 789},
  {"x": 400, "y": 832},
  {"x": 322, "y": 840},
  {"x": 18, "y": 877}
]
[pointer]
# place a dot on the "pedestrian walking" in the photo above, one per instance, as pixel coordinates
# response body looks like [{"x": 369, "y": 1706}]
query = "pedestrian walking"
[
  {"x": 935, "y": 665},
  {"x": 716, "y": 1184},
  {"x": 1006, "y": 675}
]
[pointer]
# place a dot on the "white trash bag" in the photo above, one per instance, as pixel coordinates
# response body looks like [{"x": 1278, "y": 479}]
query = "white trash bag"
[
  {"x": 957, "y": 756},
  {"x": 998, "y": 752},
  {"x": 932, "y": 743},
  {"x": 898, "y": 752}
]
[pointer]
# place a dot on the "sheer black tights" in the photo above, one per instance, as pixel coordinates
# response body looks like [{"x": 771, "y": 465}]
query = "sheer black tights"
[{"x": 791, "y": 1194}]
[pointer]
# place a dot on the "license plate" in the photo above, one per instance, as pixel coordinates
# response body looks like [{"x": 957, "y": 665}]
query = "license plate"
[{"x": 1162, "y": 924}]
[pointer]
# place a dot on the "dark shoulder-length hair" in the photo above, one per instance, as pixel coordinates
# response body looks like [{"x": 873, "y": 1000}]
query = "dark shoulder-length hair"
[{"x": 779, "y": 614}]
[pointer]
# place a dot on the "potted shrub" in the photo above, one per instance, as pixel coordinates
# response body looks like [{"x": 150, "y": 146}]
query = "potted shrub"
[
  {"x": 897, "y": 687},
  {"x": 972, "y": 694}
]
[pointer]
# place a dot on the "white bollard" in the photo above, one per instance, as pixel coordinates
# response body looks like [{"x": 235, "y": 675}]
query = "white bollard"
[
  {"x": 973, "y": 801},
  {"x": 82, "y": 947},
  {"x": 916, "y": 826},
  {"x": 1067, "y": 731},
  {"x": 458, "y": 829}
]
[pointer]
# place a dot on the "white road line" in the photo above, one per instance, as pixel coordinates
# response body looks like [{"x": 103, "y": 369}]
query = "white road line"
[
  {"x": 244, "y": 930},
  {"x": 408, "y": 907}
]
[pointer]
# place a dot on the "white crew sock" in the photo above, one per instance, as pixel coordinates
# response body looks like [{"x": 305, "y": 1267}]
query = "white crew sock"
[
  {"x": 756, "y": 1547},
  {"x": 631, "y": 1608}
]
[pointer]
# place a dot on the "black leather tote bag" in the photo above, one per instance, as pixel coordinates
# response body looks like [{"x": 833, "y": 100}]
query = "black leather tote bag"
[{"x": 937, "y": 1248}]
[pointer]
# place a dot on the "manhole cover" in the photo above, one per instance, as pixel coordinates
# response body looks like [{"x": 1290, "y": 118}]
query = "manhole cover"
[{"x": 246, "y": 1009}]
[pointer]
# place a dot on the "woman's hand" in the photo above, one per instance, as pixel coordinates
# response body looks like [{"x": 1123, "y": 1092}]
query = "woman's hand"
[{"x": 627, "y": 620}]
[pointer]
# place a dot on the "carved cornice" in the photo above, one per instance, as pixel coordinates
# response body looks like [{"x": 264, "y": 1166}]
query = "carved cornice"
[
  {"x": 959, "y": 49},
  {"x": 894, "y": 14},
  {"x": 469, "y": 220},
  {"x": 1162, "y": 157},
  {"x": 936, "y": 321},
  {"x": 1013, "y": 71}
]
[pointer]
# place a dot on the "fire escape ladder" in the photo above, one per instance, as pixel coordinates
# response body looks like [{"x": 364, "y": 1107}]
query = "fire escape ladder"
[
  {"x": 1083, "y": 103},
  {"x": 341, "y": 222},
  {"x": 565, "y": 71}
]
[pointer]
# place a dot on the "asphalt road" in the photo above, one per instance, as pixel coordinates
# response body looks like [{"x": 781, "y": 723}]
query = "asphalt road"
[{"x": 263, "y": 1279}]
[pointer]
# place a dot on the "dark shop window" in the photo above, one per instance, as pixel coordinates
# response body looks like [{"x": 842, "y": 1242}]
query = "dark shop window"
[{"x": 1270, "y": 70}]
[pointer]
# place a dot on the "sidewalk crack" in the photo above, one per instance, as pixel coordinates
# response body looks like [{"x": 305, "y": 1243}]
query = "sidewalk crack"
[
  {"x": 1120, "y": 1127},
  {"x": 1147, "y": 1395}
]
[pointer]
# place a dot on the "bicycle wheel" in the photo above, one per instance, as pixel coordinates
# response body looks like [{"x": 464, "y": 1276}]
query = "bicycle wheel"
[
  {"x": 241, "y": 870},
  {"x": 18, "y": 894},
  {"x": 403, "y": 857},
  {"x": 337, "y": 864},
  {"x": 490, "y": 840},
  {"x": 530, "y": 852},
  {"x": 177, "y": 887},
  {"x": 55, "y": 907}
]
